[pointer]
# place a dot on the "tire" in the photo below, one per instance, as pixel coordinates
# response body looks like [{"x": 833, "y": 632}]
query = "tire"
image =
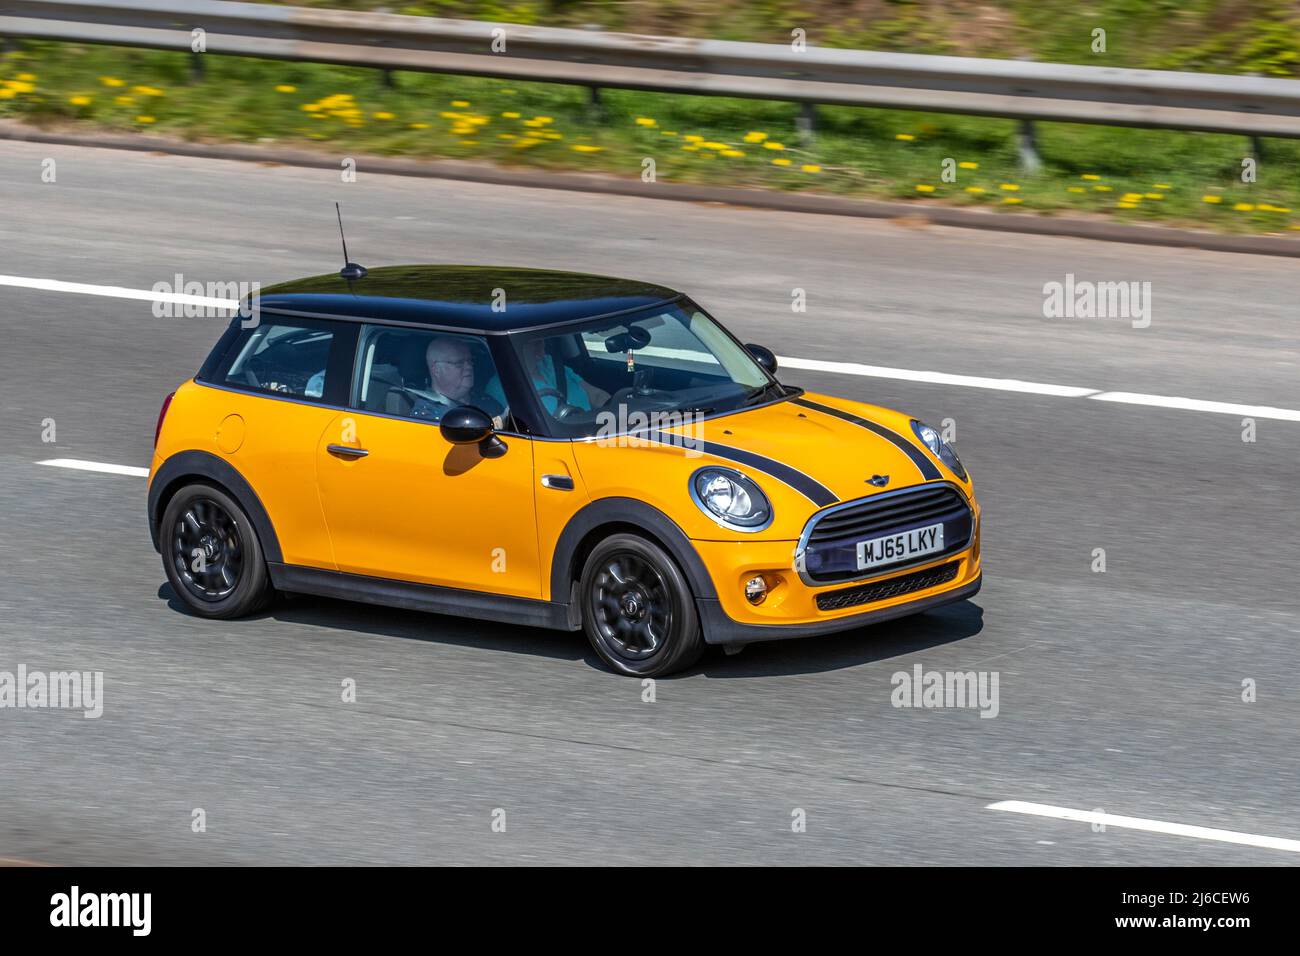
[
  {"x": 230, "y": 578},
  {"x": 637, "y": 610}
]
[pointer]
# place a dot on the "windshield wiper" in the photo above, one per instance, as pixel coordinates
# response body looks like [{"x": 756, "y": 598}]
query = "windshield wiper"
[
  {"x": 756, "y": 394},
  {"x": 696, "y": 410}
]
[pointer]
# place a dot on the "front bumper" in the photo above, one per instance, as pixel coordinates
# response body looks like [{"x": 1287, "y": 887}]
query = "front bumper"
[
  {"x": 794, "y": 607},
  {"x": 721, "y": 629}
]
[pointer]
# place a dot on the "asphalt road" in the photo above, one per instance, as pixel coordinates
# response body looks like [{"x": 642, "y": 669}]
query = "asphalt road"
[{"x": 1119, "y": 691}]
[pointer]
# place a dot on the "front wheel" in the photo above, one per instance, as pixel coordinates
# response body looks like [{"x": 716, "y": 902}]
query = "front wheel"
[
  {"x": 638, "y": 611},
  {"x": 211, "y": 554}
]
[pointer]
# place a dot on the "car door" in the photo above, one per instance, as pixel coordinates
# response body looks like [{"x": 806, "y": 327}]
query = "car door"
[{"x": 403, "y": 503}]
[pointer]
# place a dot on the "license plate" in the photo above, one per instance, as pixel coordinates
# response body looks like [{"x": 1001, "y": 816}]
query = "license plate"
[{"x": 903, "y": 546}]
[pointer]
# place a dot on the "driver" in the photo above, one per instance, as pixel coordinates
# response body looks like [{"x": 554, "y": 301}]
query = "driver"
[
  {"x": 542, "y": 373},
  {"x": 451, "y": 382}
]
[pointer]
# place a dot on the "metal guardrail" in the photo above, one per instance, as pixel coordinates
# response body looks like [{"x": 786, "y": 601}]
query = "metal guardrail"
[{"x": 1251, "y": 106}]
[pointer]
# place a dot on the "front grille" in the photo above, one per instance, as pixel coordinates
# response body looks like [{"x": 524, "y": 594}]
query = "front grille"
[
  {"x": 883, "y": 513},
  {"x": 894, "y": 587}
]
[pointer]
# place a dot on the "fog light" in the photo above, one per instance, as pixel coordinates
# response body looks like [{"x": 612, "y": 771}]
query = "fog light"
[{"x": 755, "y": 590}]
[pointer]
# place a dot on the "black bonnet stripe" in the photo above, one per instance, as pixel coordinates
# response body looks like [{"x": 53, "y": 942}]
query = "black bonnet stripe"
[
  {"x": 923, "y": 464},
  {"x": 810, "y": 488}
]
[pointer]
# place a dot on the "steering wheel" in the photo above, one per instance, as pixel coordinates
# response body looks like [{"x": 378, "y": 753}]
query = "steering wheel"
[{"x": 562, "y": 408}]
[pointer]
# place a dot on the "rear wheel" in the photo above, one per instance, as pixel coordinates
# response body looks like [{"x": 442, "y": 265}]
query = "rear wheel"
[
  {"x": 211, "y": 554},
  {"x": 638, "y": 611}
]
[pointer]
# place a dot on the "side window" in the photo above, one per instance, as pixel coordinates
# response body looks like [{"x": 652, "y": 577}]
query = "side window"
[
  {"x": 421, "y": 375},
  {"x": 282, "y": 358}
]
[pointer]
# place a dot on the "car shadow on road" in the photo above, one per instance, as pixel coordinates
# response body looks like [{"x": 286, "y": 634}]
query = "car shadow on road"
[
  {"x": 809, "y": 655},
  {"x": 866, "y": 645}
]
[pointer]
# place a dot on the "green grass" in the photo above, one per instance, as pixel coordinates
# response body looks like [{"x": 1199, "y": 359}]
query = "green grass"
[{"x": 859, "y": 152}]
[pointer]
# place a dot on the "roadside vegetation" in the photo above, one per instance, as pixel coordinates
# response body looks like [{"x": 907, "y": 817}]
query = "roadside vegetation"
[{"x": 1137, "y": 175}]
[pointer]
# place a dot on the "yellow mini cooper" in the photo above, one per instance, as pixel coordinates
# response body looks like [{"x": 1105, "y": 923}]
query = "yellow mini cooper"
[{"x": 552, "y": 449}]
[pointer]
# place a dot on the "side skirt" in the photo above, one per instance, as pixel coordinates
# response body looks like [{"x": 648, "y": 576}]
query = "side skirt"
[{"x": 421, "y": 597}]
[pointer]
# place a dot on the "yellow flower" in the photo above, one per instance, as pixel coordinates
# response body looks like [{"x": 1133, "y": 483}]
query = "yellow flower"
[
  {"x": 1131, "y": 197},
  {"x": 969, "y": 165},
  {"x": 112, "y": 81},
  {"x": 469, "y": 142},
  {"x": 975, "y": 189},
  {"x": 544, "y": 119},
  {"x": 755, "y": 137},
  {"x": 419, "y": 126},
  {"x": 692, "y": 138},
  {"x": 310, "y": 107},
  {"x": 1009, "y": 187},
  {"x": 384, "y": 115},
  {"x": 1155, "y": 195},
  {"x": 147, "y": 90},
  {"x": 460, "y": 104},
  {"x": 1243, "y": 207},
  {"x": 510, "y": 115},
  {"x": 506, "y": 136},
  {"x": 1161, "y": 186},
  {"x": 713, "y": 145},
  {"x": 286, "y": 88},
  {"x": 924, "y": 188},
  {"x": 645, "y": 121},
  {"x": 20, "y": 86},
  {"x": 124, "y": 100},
  {"x": 780, "y": 161},
  {"x": 810, "y": 168},
  {"x": 1091, "y": 177},
  {"x": 1012, "y": 200},
  {"x": 80, "y": 100},
  {"x": 733, "y": 152},
  {"x": 1127, "y": 205},
  {"x": 585, "y": 148},
  {"x": 7, "y": 94},
  {"x": 668, "y": 132},
  {"x": 1101, "y": 189},
  {"x": 146, "y": 120},
  {"x": 773, "y": 144},
  {"x": 1075, "y": 189},
  {"x": 26, "y": 77},
  {"x": 1281, "y": 209},
  {"x": 905, "y": 137}
]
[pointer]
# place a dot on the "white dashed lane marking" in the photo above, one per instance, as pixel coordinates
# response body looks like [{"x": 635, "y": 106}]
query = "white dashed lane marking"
[
  {"x": 812, "y": 365},
  {"x": 1151, "y": 826},
  {"x": 76, "y": 464}
]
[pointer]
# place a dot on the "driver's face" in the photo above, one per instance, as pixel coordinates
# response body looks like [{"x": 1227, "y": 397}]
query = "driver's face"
[{"x": 451, "y": 370}]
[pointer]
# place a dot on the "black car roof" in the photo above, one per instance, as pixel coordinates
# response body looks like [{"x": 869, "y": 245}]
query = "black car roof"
[{"x": 462, "y": 297}]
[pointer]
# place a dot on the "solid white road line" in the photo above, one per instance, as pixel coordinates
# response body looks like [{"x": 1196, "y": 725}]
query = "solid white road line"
[
  {"x": 1151, "y": 826},
  {"x": 117, "y": 292},
  {"x": 77, "y": 464},
  {"x": 812, "y": 365}
]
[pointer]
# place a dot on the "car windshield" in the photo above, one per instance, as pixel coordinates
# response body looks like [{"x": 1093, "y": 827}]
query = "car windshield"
[{"x": 646, "y": 369}]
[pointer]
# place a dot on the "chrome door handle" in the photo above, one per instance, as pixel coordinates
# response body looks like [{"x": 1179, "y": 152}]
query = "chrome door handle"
[{"x": 347, "y": 451}]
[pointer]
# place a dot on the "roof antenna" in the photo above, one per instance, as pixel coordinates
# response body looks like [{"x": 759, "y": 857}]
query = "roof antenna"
[{"x": 350, "y": 271}]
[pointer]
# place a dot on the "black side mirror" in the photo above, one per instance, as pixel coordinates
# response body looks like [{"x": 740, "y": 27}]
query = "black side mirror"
[
  {"x": 763, "y": 356},
  {"x": 467, "y": 425}
]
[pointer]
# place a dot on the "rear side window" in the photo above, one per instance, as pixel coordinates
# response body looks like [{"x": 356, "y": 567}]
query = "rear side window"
[{"x": 297, "y": 358}]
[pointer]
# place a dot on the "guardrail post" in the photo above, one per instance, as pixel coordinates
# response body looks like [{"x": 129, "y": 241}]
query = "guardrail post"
[
  {"x": 390, "y": 80},
  {"x": 595, "y": 108},
  {"x": 1257, "y": 148},
  {"x": 806, "y": 123},
  {"x": 196, "y": 68},
  {"x": 1027, "y": 138}
]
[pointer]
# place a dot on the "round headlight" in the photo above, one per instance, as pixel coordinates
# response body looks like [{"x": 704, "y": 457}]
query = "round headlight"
[
  {"x": 932, "y": 440},
  {"x": 731, "y": 499}
]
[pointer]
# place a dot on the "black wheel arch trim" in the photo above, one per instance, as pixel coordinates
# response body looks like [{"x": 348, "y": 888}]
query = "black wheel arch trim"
[
  {"x": 202, "y": 465},
  {"x": 638, "y": 514}
]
